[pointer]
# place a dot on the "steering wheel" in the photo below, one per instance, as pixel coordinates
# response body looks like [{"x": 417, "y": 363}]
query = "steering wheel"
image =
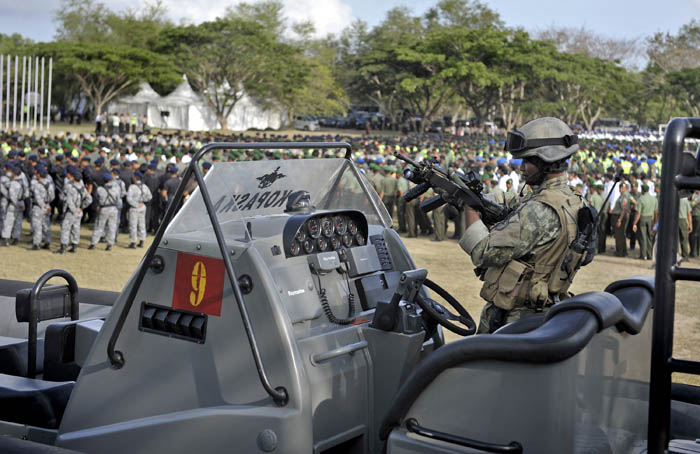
[{"x": 440, "y": 314}]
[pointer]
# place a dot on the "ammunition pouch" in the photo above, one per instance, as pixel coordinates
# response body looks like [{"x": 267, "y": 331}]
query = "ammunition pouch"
[{"x": 507, "y": 286}]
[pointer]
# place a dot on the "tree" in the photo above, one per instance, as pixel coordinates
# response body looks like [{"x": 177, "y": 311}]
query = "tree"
[
  {"x": 674, "y": 52},
  {"x": 686, "y": 87},
  {"x": 584, "y": 41},
  {"x": 105, "y": 71},
  {"x": 228, "y": 58},
  {"x": 14, "y": 44}
]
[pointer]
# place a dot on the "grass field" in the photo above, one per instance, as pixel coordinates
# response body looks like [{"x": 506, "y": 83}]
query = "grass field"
[{"x": 447, "y": 264}]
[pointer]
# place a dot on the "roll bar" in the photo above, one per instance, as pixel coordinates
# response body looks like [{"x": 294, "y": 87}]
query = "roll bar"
[
  {"x": 663, "y": 364},
  {"x": 116, "y": 357}
]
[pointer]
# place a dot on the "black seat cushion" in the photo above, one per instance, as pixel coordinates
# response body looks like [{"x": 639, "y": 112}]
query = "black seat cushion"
[
  {"x": 13, "y": 356},
  {"x": 34, "y": 402}
]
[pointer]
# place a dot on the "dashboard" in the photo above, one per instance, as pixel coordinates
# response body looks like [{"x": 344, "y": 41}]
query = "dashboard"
[{"x": 330, "y": 231}]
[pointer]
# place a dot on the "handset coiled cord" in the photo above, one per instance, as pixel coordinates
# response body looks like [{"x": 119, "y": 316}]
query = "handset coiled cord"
[{"x": 327, "y": 308}]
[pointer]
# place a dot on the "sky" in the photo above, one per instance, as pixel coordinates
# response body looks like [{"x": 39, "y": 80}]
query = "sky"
[{"x": 618, "y": 19}]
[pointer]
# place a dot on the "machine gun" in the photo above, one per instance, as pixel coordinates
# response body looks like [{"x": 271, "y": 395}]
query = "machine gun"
[{"x": 457, "y": 190}]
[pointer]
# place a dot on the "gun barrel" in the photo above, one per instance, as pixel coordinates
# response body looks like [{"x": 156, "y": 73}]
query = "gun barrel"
[{"x": 405, "y": 158}]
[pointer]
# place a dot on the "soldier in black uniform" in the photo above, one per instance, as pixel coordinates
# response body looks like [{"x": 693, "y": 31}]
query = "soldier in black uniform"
[
  {"x": 170, "y": 185},
  {"x": 57, "y": 172},
  {"x": 126, "y": 174}
]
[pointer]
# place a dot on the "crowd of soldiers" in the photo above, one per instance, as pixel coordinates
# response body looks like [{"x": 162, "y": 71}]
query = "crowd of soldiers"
[{"x": 123, "y": 182}]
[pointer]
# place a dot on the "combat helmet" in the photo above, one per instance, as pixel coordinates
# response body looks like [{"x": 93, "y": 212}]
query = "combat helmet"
[{"x": 547, "y": 138}]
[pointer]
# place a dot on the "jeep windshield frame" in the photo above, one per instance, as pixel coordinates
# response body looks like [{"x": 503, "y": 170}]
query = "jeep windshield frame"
[{"x": 241, "y": 190}]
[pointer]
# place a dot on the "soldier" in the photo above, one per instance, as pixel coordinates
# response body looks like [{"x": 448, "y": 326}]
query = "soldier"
[
  {"x": 389, "y": 187},
  {"x": 42, "y": 196},
  {"x": 596, "y": 202},
  {"x": 521, "y": 259},
  {"x": 58, "y": 170},
  {"x": 644, "y": 220},
  {"x": 75, "y": 199},
  {"x": 26, "y": 195},
  {"x": 685, "y": 225},
  {"x": 402, "y": 184},
  {"x": 695, "y": 235},
  {"x": 634, "y": 197},
  {"x": 109, "y": 199},
  {"x": 5, "y": 178},
  {"x": 137, "y": 197},
  {"x": 15, "y": 204},
  {"x": 619, "y": 219},
  {"x": 150, "y": 179}
]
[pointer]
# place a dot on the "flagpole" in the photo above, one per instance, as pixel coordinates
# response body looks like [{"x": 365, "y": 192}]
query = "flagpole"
[
  {"x": 29, "y": 91},
  {"x": 2, "y": 61},
  {"x": 41, "y": 107},
  {"x": 21, "y": 104},
  {"x": 7, "y": 102},
  {"x": 36, "y": 89},
  {"x": 48, "y": 99},
  {"x": 14, "y": 106}
]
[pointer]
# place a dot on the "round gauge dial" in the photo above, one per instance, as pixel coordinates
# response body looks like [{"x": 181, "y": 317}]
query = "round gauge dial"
[
  {"x": 301, "y": 235},
  {"x": 347, "y": 240},
  {"x": 352, "y": 227},
  {"x": 359, "y": 239},
  {"x": 341, "y": 225},
  {"x": 322, "y": 244},
  {"x": 336, "y": 242},
  {"x": 327, "y": 226},
  {"x": 295, "y": 248},
  {"x": 308, "y": 246},
  {"x": 313, "y": 227}
]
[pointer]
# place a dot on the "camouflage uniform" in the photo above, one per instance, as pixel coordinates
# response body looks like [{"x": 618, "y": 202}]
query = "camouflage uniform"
[
  {"x": 15, "y": 207},
  {"x": 137, "y": 197},
  {"x": 389, "y": 186},
  {"x": 75, "y": 197},
  {"x": 110, "y": 199},
  {"x": 4, "y": 187},
  {"x": 532, "y": 228},
  {"x": 41, "y": 205},
  {"x": 684, "y": 210},
  {"x": 647, "y": 206},
  {"x": 19, "y": 217}
]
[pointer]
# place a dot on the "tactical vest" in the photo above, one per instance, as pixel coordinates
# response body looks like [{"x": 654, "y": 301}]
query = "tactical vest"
[{"x": 543, "y": 276}]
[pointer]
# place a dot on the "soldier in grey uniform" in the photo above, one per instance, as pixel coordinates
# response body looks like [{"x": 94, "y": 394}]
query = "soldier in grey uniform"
[
  {"x": 109, "y": 202},
  {"x": 17, "y": 227},
  {"x": 75, "y": 198},
  {"x": 137, "y": 197},
  {"x": 42, "y": 196},
  {"x": 522, "y": 258},
  {"x": 5, "y": 179},
  {"x": 15, "y": 204}
]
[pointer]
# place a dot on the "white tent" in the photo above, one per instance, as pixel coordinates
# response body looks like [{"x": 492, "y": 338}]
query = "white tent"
[
  {"x": 136, "y": 104},
  {"x": 185, "y": 109}
]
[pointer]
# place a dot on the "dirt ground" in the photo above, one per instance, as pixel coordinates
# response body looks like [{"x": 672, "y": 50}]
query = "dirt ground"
[{"x": 447, "y": 264}]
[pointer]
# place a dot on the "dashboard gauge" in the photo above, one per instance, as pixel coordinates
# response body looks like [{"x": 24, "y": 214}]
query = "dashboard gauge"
[
  {"x": 322, "y": 244},
  {"x": 352, "y": 227},
  {"x": 341, "y": 225},
  {"x": 295, "y": 248},
  {"x": 300, "y": 236},
  {"x": 359, "y": 239},
  {"x": 347, "y": 240},
  {"x": 308, "y": 246},
  {"x": 327, "y": 226},
  {"x": 313, "y": 227},
  {"x": 336, "y": 242}
]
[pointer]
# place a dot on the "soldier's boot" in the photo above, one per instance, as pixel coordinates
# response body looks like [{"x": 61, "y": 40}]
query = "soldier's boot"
[
  {"x": 35, "y": 247},
  {"x": 103, "y": 240},
  {"x": 108, "y": 248},
  {"x": 132, "y": 246},
  {"x": 46, "y": 246},
  {"x": 140, "y": 243},
  {"x": 62, "y": 250},
  {"x": 91, "y": 247},
  {"x": 72, "y": 248},
  {"x": 15, "y": 241}
]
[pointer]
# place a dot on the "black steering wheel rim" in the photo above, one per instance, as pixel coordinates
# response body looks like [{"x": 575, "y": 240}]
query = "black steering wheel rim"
[{"x": 463, "y": 316}]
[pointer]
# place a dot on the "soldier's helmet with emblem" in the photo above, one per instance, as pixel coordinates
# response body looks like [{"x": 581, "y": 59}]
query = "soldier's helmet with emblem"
[{"x": 547, "y": 138}]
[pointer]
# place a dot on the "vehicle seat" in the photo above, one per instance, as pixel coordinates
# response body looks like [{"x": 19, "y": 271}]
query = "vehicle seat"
[
  {"x": 13, "y": 356},
  {"x": 33, "y": 402}
]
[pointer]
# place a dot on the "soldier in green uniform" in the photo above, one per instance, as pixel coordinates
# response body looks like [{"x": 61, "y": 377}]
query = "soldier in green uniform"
[
  {"x": 620, "y": 216},
  {"x": 389, "y": 187},
  {"x": 685, "y": 225},
  {"x": 603, "y": 218},
  {"x": 644, "y": 220},
  {"x": 634, "y": 197},
  {"x": 402, "y": 184},
  {"x": 695, "y": 234},
  {"x": 522, "y": 257}
]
